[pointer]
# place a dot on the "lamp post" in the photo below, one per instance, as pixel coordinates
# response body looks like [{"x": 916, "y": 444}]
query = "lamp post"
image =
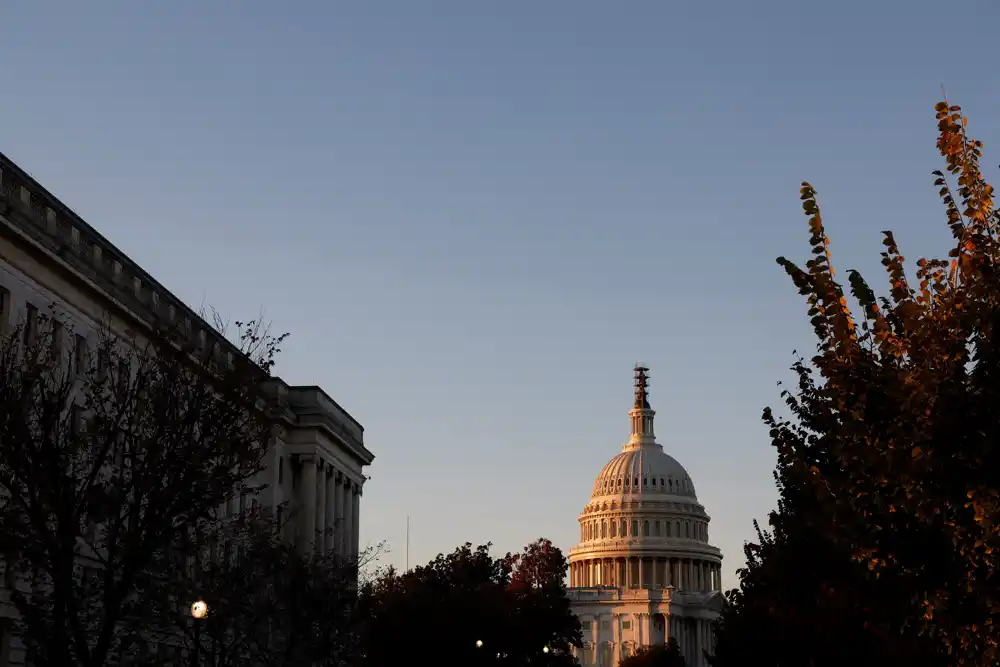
[{"x": 199, "y": 610}]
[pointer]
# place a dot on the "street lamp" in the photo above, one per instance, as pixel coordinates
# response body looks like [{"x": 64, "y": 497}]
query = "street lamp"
[
  {"x": 199, "y": 610},
  {"x": 545, "y": 649},
  {"x": 479, "y": 643}
]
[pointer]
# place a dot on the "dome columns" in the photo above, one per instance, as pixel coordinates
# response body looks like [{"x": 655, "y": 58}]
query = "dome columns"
[{"x": 630, "y": 572}]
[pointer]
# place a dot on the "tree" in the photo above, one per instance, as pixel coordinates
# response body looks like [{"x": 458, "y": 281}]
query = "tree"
[
  {"x": 268, "y": 604},
  {"x": 668, "y": 655},
  {"x": 888, "y": 457},
  {"x": 540, "y": 610},
  {"x": 107, "y": 458},
  {"x": 477, "y": 608}
]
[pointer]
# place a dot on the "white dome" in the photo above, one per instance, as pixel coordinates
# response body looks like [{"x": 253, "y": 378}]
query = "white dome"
[{"x": 642, "y": 470}]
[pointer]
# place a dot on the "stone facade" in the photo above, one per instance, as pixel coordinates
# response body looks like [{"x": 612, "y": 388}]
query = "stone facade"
[
  {"x": 644, "y": 570},
  {"x": 51, "y": 257}
]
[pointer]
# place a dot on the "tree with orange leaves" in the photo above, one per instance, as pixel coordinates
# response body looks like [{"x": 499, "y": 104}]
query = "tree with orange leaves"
[{"x": 885, "y": 547}]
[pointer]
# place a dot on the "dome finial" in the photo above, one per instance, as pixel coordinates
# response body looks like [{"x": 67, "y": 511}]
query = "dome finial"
[{"x": 641, "y": 387}]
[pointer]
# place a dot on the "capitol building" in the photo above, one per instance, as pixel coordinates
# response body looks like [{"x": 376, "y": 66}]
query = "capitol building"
[{"x": 644, "y": 570}]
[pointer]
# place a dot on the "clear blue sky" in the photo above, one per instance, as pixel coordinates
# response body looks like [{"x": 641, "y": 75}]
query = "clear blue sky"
[{"x": 474, "y": 217}]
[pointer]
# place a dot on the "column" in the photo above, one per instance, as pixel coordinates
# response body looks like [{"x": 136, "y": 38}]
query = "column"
[
  {"x": 348, "y": 518},
  {"x": 356, "y": 522},
  {"x": 596, "y": 636},
  {"x": 321, "y": 509},
  {"x": 341, "y": 523},
  {"x": 642, "y": 572},
  {"x": 699, "y": 626},
  {"x": 616, "y": 637},
  {"x": 331, "y": 509},
  {"x": 307, "y": 522}
]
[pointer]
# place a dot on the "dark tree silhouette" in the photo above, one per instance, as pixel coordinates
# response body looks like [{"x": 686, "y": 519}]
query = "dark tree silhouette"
[
  {"x": 668, "y": 655},
  {"x": 107, "y": 457},
  {"x": 480, "y": 610},
  {"x": 268, "y": 605},
  {"x": 886, "y": 543}
]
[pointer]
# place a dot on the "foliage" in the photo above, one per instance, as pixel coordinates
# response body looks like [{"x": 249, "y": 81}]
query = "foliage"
[
  {"x": 668, "y": 655},
  {"x": 107, "y": 456},
  {"x": 269, "y": 606},
  {"x": 887, "y": 464},
  {"x": 515, "y": 606}
]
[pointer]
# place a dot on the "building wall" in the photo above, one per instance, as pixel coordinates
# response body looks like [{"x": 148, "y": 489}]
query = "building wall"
[{"x": 50, "y": 258}]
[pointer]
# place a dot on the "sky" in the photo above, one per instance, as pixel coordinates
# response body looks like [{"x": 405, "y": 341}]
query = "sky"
[{"x": 474, "y": 217}]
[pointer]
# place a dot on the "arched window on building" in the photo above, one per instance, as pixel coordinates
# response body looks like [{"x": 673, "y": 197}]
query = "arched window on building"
[
  {"x": 645, "y": 529},
  {"x": 635, "y": 528},
  {"x": 668, "y": 529},
  {"x": 656, "y": 528},
  {"x": 687, "y": 529},
  {"x": 604, "y": 529}
]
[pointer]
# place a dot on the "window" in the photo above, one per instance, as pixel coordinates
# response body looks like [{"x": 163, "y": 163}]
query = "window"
[
  {"x": 75, "y": 420},
  {"x": 656, "y": 528},
  {"x": 687, "y": 529},
  {"x": 102, "y": 363},
  {"x": 30, "y": 323},
  {"x": 626, "y": 625},
  {"x": 605, "y": 625},
  {"x": 614, "y": 529},
  {"x": 668, "y": 529},
  {"x": 56, "y": 341},
  {"x": 79, "y": 354},
  {"x": 645, "y": 529},
  {"x": 4, "y": 307},
  {"x": 635, "y": 528}
]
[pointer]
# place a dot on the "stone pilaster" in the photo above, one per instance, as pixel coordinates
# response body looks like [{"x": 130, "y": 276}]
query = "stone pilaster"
[
  {"x": 356, "y": 522},
  {"x": 307, "y": 520},
  {"x": 320, "y": 527},
  {"x": 331, "y": 510}
]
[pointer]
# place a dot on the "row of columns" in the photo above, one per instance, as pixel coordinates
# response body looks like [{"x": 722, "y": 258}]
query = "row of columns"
[
  {"x": 330, "y": 504},
  {"x": 694, "y": 637},
  {"x": 638, "y": 572}
]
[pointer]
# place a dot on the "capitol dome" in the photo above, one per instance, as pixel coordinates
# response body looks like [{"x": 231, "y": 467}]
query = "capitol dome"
[
  {"x": 644, "y": 569},
  {"x": 643, "y": 506}
]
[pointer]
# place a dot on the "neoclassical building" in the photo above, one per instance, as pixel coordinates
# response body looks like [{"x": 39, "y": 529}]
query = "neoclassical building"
[
  {"x": 644, "y": 570},
  {"x": 49, "y": 256}
]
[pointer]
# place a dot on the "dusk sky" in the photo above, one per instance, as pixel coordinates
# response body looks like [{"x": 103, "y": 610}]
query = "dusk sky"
[{"x": 474, "y": 217}]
